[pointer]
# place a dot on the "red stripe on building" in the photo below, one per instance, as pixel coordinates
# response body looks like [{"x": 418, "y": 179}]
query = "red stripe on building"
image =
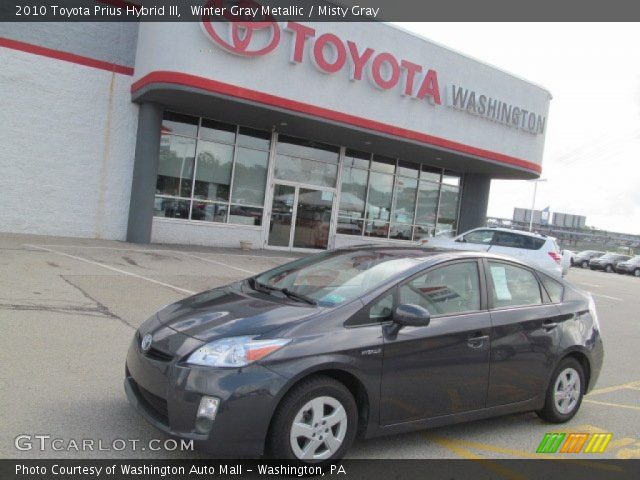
[
  {"x": 65, "y": 56},
  {"x": 176, "y": 78}
]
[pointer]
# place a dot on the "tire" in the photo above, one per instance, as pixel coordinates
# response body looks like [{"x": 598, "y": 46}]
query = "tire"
[
  {"x": 568, "y": 378},
  {"x": 316, "y": 398},
  {"x": 608, "y": 268},
  {"x": 585, "y": 264},
  {"x": 636, "y": 272}
]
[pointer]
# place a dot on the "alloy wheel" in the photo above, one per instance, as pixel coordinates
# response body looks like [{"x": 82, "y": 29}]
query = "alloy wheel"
[
  {"x": 636, "y": 272},
  {"x": 318, "y": 429},
  {"x": 566, "y": 392}
]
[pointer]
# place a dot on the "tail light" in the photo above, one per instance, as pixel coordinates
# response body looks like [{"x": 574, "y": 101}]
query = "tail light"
[{"x": 556, "y": 256}]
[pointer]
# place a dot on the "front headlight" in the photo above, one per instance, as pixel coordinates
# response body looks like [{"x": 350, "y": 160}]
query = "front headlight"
[{"x": 235, "y": 351}]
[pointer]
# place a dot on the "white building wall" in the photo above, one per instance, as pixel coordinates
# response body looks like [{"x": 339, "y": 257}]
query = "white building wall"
[
  {"x": 185, "y": 232},
  {"x": 68, "y": 136}
]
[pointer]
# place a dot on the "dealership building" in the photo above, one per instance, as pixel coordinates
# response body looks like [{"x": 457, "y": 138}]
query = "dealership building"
[{"x": 286, "y": 135}]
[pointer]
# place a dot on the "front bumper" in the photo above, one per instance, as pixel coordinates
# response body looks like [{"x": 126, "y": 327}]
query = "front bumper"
[
  {"x": 596, "y": 266},
  {"x": 167, "y": 394}
]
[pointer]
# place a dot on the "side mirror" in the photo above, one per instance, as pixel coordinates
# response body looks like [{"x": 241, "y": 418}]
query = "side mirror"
[
  {"x": 460, "y": 239},
  {"x": 409, "y": 315}
]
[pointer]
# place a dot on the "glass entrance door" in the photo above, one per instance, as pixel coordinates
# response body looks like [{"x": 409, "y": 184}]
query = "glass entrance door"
[{"x": 300, "y": 217}]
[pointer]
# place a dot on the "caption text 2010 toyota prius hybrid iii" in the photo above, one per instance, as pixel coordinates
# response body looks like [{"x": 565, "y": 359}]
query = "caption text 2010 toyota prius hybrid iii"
[{"x": 297, "y": 361}]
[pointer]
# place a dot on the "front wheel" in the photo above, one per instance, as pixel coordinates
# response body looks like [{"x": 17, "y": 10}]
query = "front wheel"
[
  {"x": 609, "y": 268},
  {"x": 636, "y": 272},
  {"x": 565, "y": 392},
  {"x": 585, "y": 264},
  {"x": 315, "y": 423}
]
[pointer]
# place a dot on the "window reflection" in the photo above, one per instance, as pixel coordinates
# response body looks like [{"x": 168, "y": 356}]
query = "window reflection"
[{"x": 175, "y": 166}]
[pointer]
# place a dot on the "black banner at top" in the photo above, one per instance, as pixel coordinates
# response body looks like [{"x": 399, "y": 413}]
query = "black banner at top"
[{"x": 316, "y": 10}]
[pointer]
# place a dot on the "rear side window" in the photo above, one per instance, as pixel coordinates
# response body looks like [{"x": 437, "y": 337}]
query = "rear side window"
[
  {"x": 513, "y": 286},
  {"x": 515, "y": 240},
  {"x": 553, "y": 288},
  {"x": 533, "y": 243}
]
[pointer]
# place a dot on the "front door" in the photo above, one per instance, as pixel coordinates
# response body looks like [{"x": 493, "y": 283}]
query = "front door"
[
  {"x": 443, "y": 368},
  {"x": 300, "y": 217}
]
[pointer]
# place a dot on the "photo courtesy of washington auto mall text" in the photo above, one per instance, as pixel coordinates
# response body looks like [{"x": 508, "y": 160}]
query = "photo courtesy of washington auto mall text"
[{"x": 352, "y": 239}]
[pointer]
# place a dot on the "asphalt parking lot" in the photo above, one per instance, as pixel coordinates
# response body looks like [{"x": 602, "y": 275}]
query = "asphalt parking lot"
[{"x": 69, "y": 308}]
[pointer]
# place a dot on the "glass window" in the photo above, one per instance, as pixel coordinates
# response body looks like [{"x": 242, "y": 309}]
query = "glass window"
[
  {"x": 427, "y": 203},
  {"x": 354, "y": 158},
  {"x": 513, "y": 286},
  {"x": 312, "y": 172},
  {"x": 553, "y": 288},
  {"x": 382, "y": 309},
  {"x": 297, "y": 147},
  {"x": 248, "y": 137},
  {"x": 175, "y": 166},
  {"x": 405, "y": 192},
  {"x": 249, "y": 176},
  {"x": 244, "y": 215},
  {"x": 213, "y": 172},
  {"x": 170, "y": 207},
  {"x": 507, "y": 239},
  {"x": 383, "y": 164},
  {"x": 217, "y": 131},
  {"x": 352, "y": 201},
  {"x": 448, "y": 211},
  {"x": 446, "y": 290},
  {"x": 431, "y": 174},
  {"x": 376, "y": 228},
  {"x": 482, "y": 237},
  {"x": 408, "y": 169},
  {"x": 380, "y": 191},
  {"x": 209, "y": 212},
  {"x": 177, "y": 124},
  {"x": 451, "y": 178},
  {"x": 400, "y": 231}
]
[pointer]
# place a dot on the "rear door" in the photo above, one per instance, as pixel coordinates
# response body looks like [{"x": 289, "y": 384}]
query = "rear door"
[
  {"x": 524, "y": 337},
  {"x": 442, "y": 368}
]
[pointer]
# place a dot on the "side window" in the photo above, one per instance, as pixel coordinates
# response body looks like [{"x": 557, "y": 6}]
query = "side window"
[
  {"x": 381, "y": 309},
  {"x": 483, "y": 237},
  {"x": 446, "y": 290},
  {"x": 513, "y": 286},
  {"x": 506, "y": 239},
  {"x": 553, "y": 288}
]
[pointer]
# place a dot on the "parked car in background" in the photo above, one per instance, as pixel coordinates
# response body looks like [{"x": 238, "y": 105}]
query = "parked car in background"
[
  {"x": 630, "y": 266},
  {"x": 532, "y": 248},
  {"x": 298, "y": 361},
  {"x": 608, "y": 262},
  {"x": 582, "y": 258}
]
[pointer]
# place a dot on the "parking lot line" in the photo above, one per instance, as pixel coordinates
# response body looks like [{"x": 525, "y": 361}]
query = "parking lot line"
[
  {"x": 615, "y": 388},
  {"x": 215, "y": 262},
  {"x": 114, "y": 269},
  {"x": 607, "y": 297},
  {"x": 609, "y": 404}
]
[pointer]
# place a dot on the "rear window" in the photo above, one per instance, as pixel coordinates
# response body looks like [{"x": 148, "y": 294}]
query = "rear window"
[{"x": 553, "y": 288}]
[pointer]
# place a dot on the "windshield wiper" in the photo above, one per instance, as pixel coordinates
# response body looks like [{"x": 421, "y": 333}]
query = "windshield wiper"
[
  {"x": 261, "y": 287},
  {"x": 298, "y": 296}
]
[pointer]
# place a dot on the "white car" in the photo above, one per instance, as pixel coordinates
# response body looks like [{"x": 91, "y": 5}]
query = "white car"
[{"x": 528, "y": 247}]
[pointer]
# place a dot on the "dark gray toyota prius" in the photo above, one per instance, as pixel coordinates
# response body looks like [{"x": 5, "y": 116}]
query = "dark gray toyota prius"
[{"x": 297, "y": 361}]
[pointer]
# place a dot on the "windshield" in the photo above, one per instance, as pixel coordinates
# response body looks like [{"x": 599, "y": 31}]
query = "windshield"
[
  {"x": 331, "y": 278},
  {"x": 608, "y": 256}
]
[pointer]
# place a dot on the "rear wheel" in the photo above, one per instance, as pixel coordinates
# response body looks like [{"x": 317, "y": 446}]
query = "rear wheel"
[
  {"x": 316, "y": 422},
  {"x": 565, "y": 392},
  {"x": 585, "y": 264},
  {"x": 609, "y": 268}
]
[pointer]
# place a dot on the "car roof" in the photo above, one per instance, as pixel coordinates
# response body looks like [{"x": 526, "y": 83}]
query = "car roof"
[
  {"x": 512, "y": 230},
  {"x": 433, "y": 254}
]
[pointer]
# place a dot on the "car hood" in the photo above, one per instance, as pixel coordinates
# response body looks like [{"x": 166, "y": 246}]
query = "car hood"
[{"x": 230, "y": 311}]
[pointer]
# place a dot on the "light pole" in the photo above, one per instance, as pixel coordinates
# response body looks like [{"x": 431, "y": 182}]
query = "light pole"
[{"x": 533, "y": 203}]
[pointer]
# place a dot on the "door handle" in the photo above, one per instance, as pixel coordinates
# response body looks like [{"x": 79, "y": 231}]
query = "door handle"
[
  {"x": 477, "y": 340},
  {"x": 549, "y": 325}
]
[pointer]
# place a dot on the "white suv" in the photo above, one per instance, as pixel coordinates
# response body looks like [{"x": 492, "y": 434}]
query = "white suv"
[{"x": 532, "y": 248}]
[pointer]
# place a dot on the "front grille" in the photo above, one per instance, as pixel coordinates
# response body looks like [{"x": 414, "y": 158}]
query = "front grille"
[
  {"x": 154, "y": 403},
  {"x": 158, "y": 355}
]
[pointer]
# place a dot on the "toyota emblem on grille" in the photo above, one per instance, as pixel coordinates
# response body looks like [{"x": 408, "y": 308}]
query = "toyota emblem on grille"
[{"x": 146, "y": 342}]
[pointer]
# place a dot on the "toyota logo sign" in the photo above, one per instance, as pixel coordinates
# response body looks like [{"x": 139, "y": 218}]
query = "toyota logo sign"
[
  {"x": 146, "y": 342},
  {"x": 240, "y": 38}
]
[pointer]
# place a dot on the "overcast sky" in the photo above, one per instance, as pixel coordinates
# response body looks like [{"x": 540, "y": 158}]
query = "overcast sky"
[{"x": 592, "y": 151}]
